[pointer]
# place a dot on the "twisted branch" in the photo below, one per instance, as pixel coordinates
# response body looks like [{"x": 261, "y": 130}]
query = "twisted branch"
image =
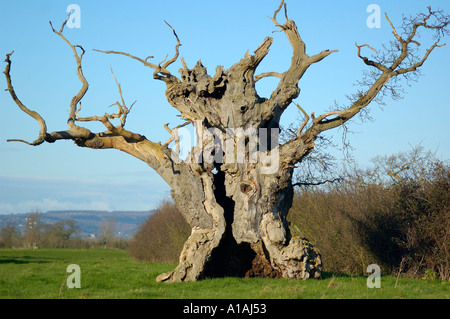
[
  {"x": 267, "y": 74},
  {"x": 177, "y": 52},
  {"x": 304, "y": 122},
  {"x": 173, "y": 135},
  {"x": 116, "y": 137},
  {"x": 287, "y": 89},
  {"x": 122, "y": 113},
  {"x": 161, "y": 72},
  {"x": 33, "y": 114},
  {"x": 77, "y": 98},
  {"x": 388, "y": 66}
]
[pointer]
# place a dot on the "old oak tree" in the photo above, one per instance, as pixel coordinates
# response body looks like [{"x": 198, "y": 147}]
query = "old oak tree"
[{"x": 235, "y": 186}]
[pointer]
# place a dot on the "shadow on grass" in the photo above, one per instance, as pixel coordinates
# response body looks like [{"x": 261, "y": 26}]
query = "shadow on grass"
[
  {"x": 26, "y": 260},
  {"x": 329, "y": 275}
]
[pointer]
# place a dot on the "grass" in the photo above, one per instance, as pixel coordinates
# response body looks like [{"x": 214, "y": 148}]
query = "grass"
[{"x": 112, "y": 274}]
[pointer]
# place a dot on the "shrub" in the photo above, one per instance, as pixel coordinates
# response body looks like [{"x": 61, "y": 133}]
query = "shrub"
[
  {"x": 401, "y": 225},
  {"x": 333, "y": 220},
  {"x": 161, "y": 237}
]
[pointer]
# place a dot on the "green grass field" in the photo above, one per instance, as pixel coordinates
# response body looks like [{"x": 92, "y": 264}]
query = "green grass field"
[{"x": 107, "y": 274}]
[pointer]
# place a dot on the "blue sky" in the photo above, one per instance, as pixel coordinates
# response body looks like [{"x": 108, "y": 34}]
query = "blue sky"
[{"x": 63, "y": 176}]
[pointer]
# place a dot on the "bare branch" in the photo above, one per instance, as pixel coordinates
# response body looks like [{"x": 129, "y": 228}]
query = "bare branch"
[
  {"x": 33, "y": 114},
  {"x": 320, "y": 56},
  {"x": 161, "y": 72},
  {"x": 393, "y": 29},
  {"x": 379, "y": 66},
  {"x": 123, "y": 109},
  {"x": 75, "y": 133},
  {"x": 274, "y": 19},
  {"x": 116, "y": 137},
  {"x": 323, "y": 116},
  {"x": 331, "y": 181},
  {"x": 150, "y": 65},
  {"x": 168, "y": 77},
  {"x": 121, "y": 114},
  {"x": 321, "y": 124},
  {"x": 395, "y": 57},
  {"x": 304, "y": 122},
  {"x": 183, "y": 62},
  {"x": 442, "y": 22},
  {"x": 77, "y": 98},
  {"x": 411, "y": 26},
  {"x": 173, "y": 137},
  {"x": 364, "y": 45},
  {"x": 415, "y": 66},
  {"x": 175, "y": 57},
  {"x": 118, "y": 85},
  {"x": 267, "y": 74},
  {"x": 278, "y": 10},
  {"x": 287, "y": 89}
]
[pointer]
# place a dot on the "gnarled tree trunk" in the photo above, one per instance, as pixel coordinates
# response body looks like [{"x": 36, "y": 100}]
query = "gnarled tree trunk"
[
  {"x": 246, "y": 192},
  {"x": 243, "y": 231}
]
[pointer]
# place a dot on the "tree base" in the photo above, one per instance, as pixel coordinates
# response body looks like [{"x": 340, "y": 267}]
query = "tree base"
[{"x": 298, "y": 260}]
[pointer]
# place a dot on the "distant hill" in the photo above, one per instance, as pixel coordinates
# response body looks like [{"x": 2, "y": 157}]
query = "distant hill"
[{"x": 127, "y": 222}]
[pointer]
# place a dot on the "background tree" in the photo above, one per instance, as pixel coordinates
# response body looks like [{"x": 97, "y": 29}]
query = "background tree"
[
  {"x": 107, "y": 230},
  {"x": 10, "y": 236},
  {"x": 59, "y": 233},
  {"x": 33, "y": 226},
  {"x": 237, "y": 209}
]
